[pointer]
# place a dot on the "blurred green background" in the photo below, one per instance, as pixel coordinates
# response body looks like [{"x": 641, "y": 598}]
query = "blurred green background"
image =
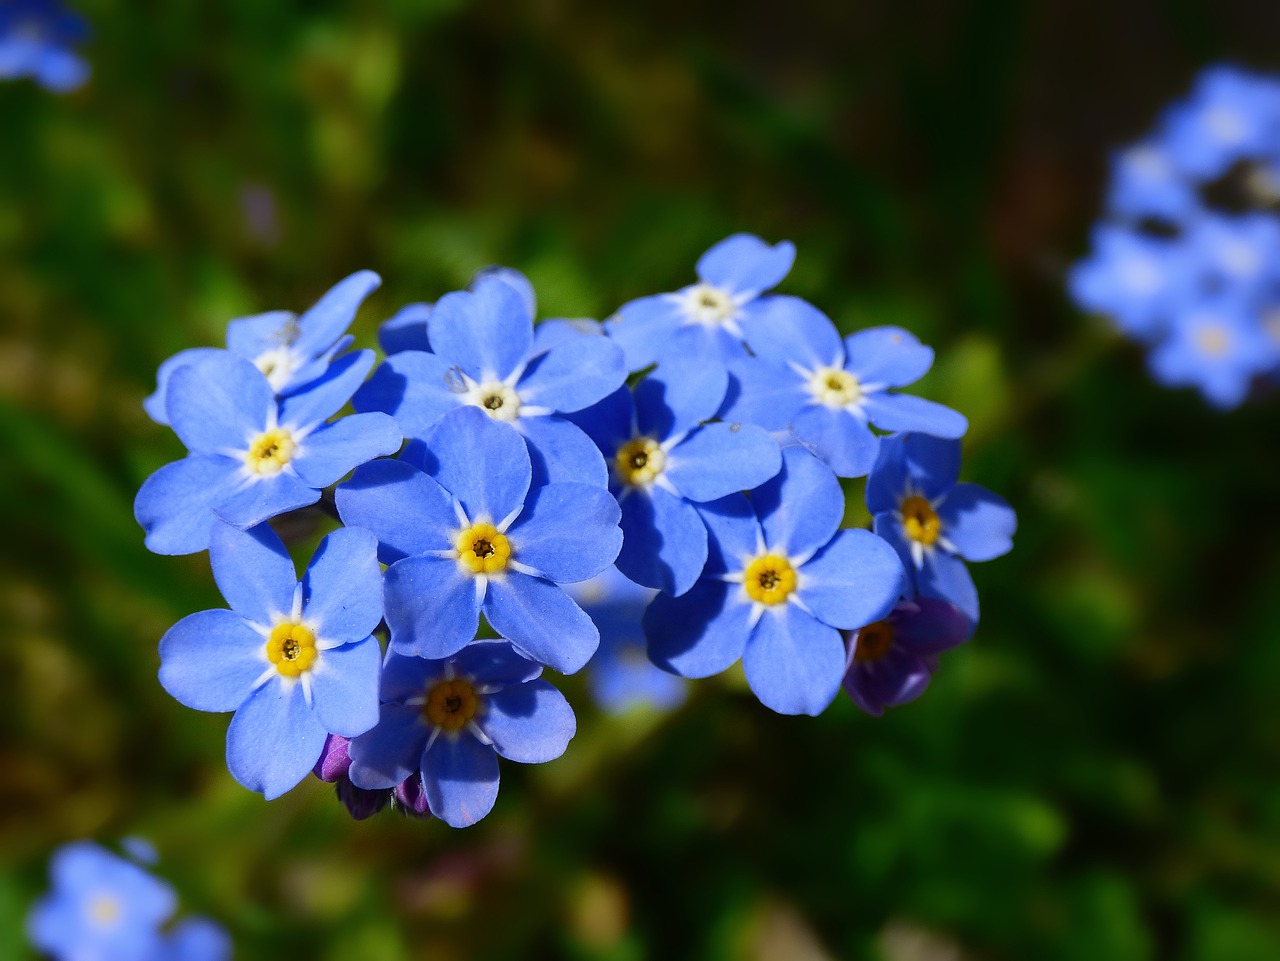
[{"x": 1096, "y": 776}]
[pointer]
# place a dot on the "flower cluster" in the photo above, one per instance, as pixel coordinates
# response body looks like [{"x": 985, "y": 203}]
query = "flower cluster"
[
  {"x": 105, "y": 908},
  {"x": 35, "y": 41},
  {"x": 1186, "y": 259},
  {"x": 658, "y": 489}
]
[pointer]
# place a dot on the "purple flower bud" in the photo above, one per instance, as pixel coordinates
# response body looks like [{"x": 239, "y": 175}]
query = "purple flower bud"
[
  {"x": 334, "y": 760},
  {"x": 360, "y": 803},
  {"x": 411, "y": 798}
]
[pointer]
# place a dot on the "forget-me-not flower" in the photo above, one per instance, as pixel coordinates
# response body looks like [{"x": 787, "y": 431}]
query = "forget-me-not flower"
[
  {"x": 35, "y": 41},
  {"x": 1216, "y": 345}
]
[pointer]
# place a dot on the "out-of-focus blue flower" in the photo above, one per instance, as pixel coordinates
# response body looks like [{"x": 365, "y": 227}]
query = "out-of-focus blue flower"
[
  {"x": 295, "y": 661},
  {"x": 195, "y": 939},
  {"x": 291, "y": 351},
  {"x": 662, "y": 462},
  {"x": 35, "y": 41},
  {"x": 1217, "y": 346},
  {"x": 781, "y": 581},
  {"x": 1146, "y": 183},
  {"x": 830, "y": 393},
  {"x": 933, "y": 522},
  {"x": 892, "y": 660},
  {"x": 253, "y": 457},
  {"x": 482, "y": 356},
  {"x": 713, "y": 318},
  {"x": 1231, "y": 115},
  {"x": 447, "y": 721},
  {"x": 468, "y": 534},
  {"x": 1136, "y": 280},
  {"x": 101, "y": 908},
  {"x": 1238, "y": 256},
  {"x": 621, "y": 676}
]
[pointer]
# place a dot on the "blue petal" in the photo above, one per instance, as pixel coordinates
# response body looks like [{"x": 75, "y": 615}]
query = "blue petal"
[
  {"x": 643, "y": 329},
  {"x": 679, "y": 395},
  {"x": 890, "y": 411},
  {"x": 480, "y": 461},
  {"x": 927, "y": 465},
  {"x": 699, "y": 633},
  {"x": 888, "y": 527},
  {"x": 342, "y": 588},
  {"x": 61, "y": 71},
  {"x": 664, "y": 542},
  {"x": 573, "y": 375},
  {"x": 839, "y": 439},
  {"x": 405, "y": 677},
  {"x": 197, "y": 939},
  {"x": 175, "y": 504},
  {"x": 718, "y": 459},
  {"x": 553, "y": 332},
  {"x": 788, "y": 330},
  {"x": 333, "y": 313},
  {"x": 853, "y": 581},
  {"x": 513, "y": 279},
  {"x": 253, "y": 570},
  {"x": 621, "y": 677},
  {"x": 210, "y": 661},
  {"x": 764, "y": 393},
  {"x": 266, "y": 498},
  {"x": 408, "y": 511},
  {"x": 155, "y": 404},
  {"x": 793, "y": 662},
  {"x": 801, "y": 508},
  {"x": 895, "y": 678},
  {"x": 734, "y": 529},
  {"x": 416, "y": 388},
  {"x": 494, "y": 662},
  {"x": 541, "y": 620},
  {"x": 344, "y": 687},
  {"x": 886, "y": 356},
  {"x": 219, "y": 404},
  {"x": 407, "y": 330},
  {"x": 977, "y": 522},
  {"x": 431, "y": 606},
  {"x": 391, "y": 751},
  {"x": 928, "y": 625},
  {"x": 460, "y": 776},
  {"x": 487, "y": 333},
  {"x": 560, "y": 450},
  {"x": 274, "y": 739},
  {"x": 945, "y": 576},
  {"x": 531, "y": 723},
  {"x": 743, "y": 262},
  {"x": 330, "y": 453},
  {"x": 248, "y": 337},
  {"x": 326, "y": 395},
  {"x": 567, "y": 532},
  {"x": 609, "y": 423}
]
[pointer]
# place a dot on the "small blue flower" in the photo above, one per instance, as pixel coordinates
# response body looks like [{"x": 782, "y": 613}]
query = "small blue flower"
[
  {"x": 467, "y": 534},
  {"x": 101, "y": 908},
  {"x": 194, "y": 939},
  {"x": 291, "y": 351},
  {"x": 1230, "y": 116},
  {"x": 253, "y": 457},
  {"x": 892, "y": 660},
  {"x": 712, "y": 318},
  {"x": 830, "y": 393},
  {"x": 1218, "y": 346},
  {"x": 1240, "y": 255},
  {"x": 934, "y": 523},
  {"x": 781, "y": 581},
  {"x": 447, "y": 722},
  {"x": 295, "y": 661},
  {"x": 1136, "y": 280},
  {"x": 621, "y": 676},
  {"x": 482, "y": 356},
  {"x": 35, "y": 41},
  {"x": 662, "y": 463},
  {"x": 1145, "y": 183}
]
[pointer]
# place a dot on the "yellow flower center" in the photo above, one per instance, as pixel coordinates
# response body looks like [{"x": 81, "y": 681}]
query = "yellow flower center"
[
  {"x": 874, "y": 641},
  {"x": 639, "y": 461},
  {"x": 1213, "y": 340},
  {"x": 270, "y": 451},
  {"x": 769, "y": 579},
  {"x": 482, "y": 550},
  {"x": 104, "y": 910},
  {"x": 450, "y": 704},
  {"x": 835, "y": 387},
  {"x": 920, "y": 520},
  {"x": 291, "y": 648}
]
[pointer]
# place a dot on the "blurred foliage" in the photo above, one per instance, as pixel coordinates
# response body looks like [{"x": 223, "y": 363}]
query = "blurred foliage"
[{"x": 1096, "y": 776}]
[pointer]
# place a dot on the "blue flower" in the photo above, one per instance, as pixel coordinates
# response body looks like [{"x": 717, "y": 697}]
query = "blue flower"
[
  {"x": 781, "y": 581},
  {"x": 35, "y": 41},
  {"x": 935, "y": 523},
  {"x": 467, "y": 534},
  {"x": 1136, "y": 280},
  {"x": 712, "y": 318},
  {"x": 828, "y": 393},
  {"x": 1230, "y": 116},
  {"x": 295, "y": 661},
  {"x": 892, "y": 660},
  {"x": 1217, "y": 346},
  {"x": 1145, "y": 183},
  {"x": 621, "y": 676},
  {"x": 194, "y": 939},
  {"x": 662, "y": 463},
  {"x": 447, "y": 721},
  {"x": 291, "y": 351},
  {"x": 483, "y": 357},
  {"x": 101, "y": 908},
  {"x": 253, "y": 457}
]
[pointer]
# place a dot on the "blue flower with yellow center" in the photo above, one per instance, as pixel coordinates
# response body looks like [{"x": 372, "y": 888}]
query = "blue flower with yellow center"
[
  {"x": 781, "y": 581},
  {"x": 35, "y": 41},
  {"x": 467, "y": 534},
  {"x": 664, "y": 459},
  {"x": 933, "y": 522},
  {"x": 253, "y": 457},
  {"x": 482, "y": 356},
  {"x": 295, "y": 661},
  {"x": 445, "y": 722}
]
